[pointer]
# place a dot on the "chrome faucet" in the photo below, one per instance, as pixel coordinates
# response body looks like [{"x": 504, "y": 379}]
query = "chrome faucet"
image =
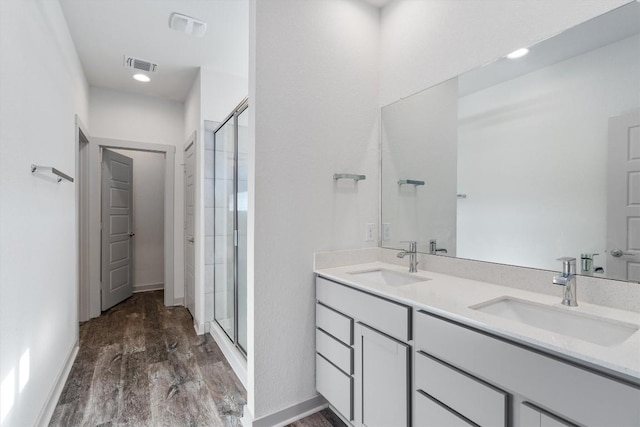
[
  {"x": 413, "y": 256},
  {"x": 567, "y": 279}
]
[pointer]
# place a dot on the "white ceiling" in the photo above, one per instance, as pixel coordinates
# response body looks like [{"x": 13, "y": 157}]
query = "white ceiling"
[
  {"x": 378, "y": 3},
  {"x": 106, "y": 30}
]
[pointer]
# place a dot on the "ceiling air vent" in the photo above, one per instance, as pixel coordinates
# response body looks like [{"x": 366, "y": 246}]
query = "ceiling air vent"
[{"x": 140, "y": 64}]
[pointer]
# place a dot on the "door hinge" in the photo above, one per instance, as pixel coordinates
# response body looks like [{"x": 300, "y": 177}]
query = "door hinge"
[{"x": 235, "y": 238}]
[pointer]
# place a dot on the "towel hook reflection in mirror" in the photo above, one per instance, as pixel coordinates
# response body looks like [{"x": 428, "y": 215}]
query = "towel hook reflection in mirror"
[
  {"x": 410, "y": 182},
  {"x": 355, "y": 177}
]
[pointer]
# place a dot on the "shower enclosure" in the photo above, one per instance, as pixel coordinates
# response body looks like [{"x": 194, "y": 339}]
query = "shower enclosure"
[{"x": 230, "y": 226}]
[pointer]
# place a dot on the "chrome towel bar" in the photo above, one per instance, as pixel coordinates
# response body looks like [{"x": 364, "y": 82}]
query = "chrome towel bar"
[{"x": 60, "y": 175}]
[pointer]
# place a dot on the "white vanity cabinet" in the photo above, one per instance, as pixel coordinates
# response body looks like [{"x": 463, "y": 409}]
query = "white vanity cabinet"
[
  {"x": 363, "y": 360},
  {"x": 532, "y": 416},
  {"x": 383, "y": 379},
  {"x": 489, "y": 381}
]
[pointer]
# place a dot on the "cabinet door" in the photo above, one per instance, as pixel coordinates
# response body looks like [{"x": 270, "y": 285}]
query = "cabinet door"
[{"x": 383, "y": 379}]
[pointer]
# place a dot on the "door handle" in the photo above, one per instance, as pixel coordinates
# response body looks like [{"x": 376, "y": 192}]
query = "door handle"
[
  {"x": 132, "y": 234},
  {"x": 617, "y": 253},
  {"x": 190, "y": 239}
]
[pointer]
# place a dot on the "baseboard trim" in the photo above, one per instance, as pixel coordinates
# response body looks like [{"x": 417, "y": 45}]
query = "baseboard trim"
[
  {"x": 287, "y": 415},
  {"x": 178, "y": 301},
  {"x": 231, "y": 353},
  {"x": 198, "y": 327},
  {"x": 148, "y": 287},
  {"x": 44, "y": 418}
]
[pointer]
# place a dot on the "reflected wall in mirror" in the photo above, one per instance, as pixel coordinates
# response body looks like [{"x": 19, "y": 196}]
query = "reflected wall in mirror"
[{"x": 525, "y": 160}]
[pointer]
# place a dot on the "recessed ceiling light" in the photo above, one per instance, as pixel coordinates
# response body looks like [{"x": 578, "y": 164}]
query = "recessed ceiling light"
[
  {"x": 518, "y": 53},
  {"x": 142, "y": 78}
]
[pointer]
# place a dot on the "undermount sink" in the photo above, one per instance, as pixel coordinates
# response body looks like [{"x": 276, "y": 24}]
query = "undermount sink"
[
  {"x": 393, "y": 278},
  {"x": 578, "y": 325}
]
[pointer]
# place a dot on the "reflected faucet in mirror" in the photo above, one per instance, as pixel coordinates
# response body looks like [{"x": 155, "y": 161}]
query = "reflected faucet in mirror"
[
  {"x": 433, "y": 248},
  {"x": 587, "y": 264},
  {"x": 413, "y": 256}
]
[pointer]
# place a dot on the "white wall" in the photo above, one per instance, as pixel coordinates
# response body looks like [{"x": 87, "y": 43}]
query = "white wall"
[
  {"x": 221, "y": 93},
  {"x": 544, "y": 161},
  {"x": 313, "y": 87},
  {"x": 426, "y": 42},
  {"x": 133, "y": 117},
  {"x": 148, "y": 219},
  {"x": 42, "y": 87},
  {"x": 412, "y": 130}
]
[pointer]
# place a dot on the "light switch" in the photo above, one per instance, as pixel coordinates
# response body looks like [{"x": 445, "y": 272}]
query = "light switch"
[{"x": 370, "y": 232}]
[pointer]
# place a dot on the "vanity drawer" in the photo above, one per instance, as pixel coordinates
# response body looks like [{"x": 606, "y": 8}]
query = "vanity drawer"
[
  {"x": 336, "y": 352},
  {"x": 481, "y": 403},
  {"x": 335, "y": 324},
  {"x": 387, "y": 316},
  {"x": 428, "y": 412},
  {"x": 335, "y": 386}
]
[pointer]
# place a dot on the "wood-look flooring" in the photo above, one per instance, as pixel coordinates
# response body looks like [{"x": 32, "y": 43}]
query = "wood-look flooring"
[{"x": 141, "y": 364}]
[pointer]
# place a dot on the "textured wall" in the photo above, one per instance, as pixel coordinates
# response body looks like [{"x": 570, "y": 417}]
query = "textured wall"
[
  {"x": 42, "y": 87},
  {"x": 313, "y": 83}
]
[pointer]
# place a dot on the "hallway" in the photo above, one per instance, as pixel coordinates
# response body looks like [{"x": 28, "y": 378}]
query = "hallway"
[{"x": 141, "y": 364}]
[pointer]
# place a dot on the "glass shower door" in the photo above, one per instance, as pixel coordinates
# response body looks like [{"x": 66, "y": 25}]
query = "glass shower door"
[
  {"x": 224, "y": 212},
  {"x": 231, "y": 161}
]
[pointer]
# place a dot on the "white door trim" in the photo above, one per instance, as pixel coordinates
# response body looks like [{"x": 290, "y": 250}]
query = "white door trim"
[
  {"x": 191, "y": 142},
  {"x": 82, "y": 139},
  {"x": 93, "y": 284}
]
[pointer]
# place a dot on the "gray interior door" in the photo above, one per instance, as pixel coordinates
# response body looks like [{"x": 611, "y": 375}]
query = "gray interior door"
[{"x": 117, "y": 233}]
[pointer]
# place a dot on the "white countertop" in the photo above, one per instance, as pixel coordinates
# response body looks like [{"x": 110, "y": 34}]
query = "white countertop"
[{"x": 451, "y": 297}]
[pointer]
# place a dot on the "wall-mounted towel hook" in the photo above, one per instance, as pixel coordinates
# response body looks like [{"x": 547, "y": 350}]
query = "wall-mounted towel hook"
[
  {"x": 59, "y": 175},
  {"x": 355, "y": 177}
]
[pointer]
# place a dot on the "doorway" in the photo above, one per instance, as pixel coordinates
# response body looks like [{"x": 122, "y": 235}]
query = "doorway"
[
  {"x": 133, "y": 223},
  {"x": 90, "y": 289}
]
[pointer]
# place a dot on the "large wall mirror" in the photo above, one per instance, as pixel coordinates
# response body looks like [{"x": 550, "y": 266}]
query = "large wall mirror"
[{"x": 525, "y": 160}]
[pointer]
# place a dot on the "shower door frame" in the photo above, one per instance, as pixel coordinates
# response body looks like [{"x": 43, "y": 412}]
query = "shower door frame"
[{"x": 241, "y": 108}]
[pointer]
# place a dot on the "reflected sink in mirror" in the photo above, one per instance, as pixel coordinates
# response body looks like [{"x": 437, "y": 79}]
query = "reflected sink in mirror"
[
  {"x": 392, "y": 278},
  {"x": 595, "y": 330}
]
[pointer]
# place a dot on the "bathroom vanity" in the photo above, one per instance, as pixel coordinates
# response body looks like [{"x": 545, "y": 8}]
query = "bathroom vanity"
[{"x": 426, "y": 349}]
